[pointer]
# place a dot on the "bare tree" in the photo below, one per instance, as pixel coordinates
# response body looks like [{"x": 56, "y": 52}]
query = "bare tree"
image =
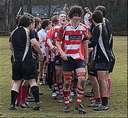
[
  {"x": 66, "y": 8},
  {"x": 49, "y": 8}
]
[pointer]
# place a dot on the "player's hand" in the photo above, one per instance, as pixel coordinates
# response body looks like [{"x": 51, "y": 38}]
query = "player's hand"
[
  {"x": 54, "y": 49},
  {"x": 41, "y": 57},
  {"x": 64, "y": 57}
]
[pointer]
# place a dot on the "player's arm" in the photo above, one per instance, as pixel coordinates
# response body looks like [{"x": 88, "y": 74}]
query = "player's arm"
[
  {"x": 49, "y": 40},
  {"x": 85, "y": 42},
  {"x": 62, "y": 53},
  {"x": 59, "y": 42},
  {"x": 36, "y": 46},
  {"x": 95, "y": 37},
  {"x": 50, "y": 44},
  {"x": 10, "y": 44}
]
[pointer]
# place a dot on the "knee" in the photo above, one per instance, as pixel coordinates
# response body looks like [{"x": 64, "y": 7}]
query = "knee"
[{"x": 16, "y": 85}]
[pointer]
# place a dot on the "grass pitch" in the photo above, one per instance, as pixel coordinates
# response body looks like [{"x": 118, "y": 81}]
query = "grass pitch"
[{"x": 49, "y": 107}]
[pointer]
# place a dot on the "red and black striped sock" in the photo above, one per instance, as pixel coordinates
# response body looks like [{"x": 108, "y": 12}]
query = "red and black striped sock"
[
  {"x": 13, "y": 97},
  {"x": 60, "y": 86},
  {"x": 80, "y": 94},
  {"x": 66, "y": 94},
  {"x": 56, "y": 89}
]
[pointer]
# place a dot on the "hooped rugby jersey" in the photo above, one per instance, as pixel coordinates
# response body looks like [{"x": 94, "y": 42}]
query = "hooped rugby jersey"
[
  {"x": 72, "y": 40},
  {"x": 52, "y": 35}
]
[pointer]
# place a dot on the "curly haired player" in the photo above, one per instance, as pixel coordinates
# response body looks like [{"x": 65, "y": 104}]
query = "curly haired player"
[{"x": 72, "y": 36}]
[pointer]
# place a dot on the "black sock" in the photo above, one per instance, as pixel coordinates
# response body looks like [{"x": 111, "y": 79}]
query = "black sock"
[
  {"x": 13, "y": 97},
  {"x": 104, "y": 101},
  {"x": 98, "y": 100},
  {"x": 35, "y": 93}
]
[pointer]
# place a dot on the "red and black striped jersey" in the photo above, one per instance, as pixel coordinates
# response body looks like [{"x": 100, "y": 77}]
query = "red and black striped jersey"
[{"x": 71, "y": 38}]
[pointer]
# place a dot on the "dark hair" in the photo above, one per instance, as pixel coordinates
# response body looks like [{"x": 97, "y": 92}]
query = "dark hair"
[
  {"x": 97, "y": 16},
  {"x": 102, "y": 9},
  {"x": 45, "y": 23},
  {"x": 25, "y": 21},
  {"x": 54, "y": 19},
  {"x": 75, "y": 11},
  {"x": 18, "y": 19},
  {"x": 37, "y": 21}
]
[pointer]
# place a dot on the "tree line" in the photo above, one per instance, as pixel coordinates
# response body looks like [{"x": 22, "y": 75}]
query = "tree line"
[{"x": 116, "y": 11}]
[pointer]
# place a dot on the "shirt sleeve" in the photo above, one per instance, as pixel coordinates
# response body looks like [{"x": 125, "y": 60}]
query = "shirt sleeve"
[
  {"x": 60, "y": 34},
  {"x": 40, "y": 36},
  {"x": 50, "y": 34},
  {"x": 32, "y": 34},
  {"x": 95, "y": 37}
]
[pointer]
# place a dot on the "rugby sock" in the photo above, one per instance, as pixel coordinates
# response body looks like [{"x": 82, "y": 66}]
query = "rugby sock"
[
  {"x": 66, "y": 94},
  {"x": 23, "y": 94},
  {"x": 78, "y": 100},
  {"x": 80, "y": 94},
  {"x": 104, "y": 101},
  {"x": 56, "y": 88},
  {"x": 13, "y": 97},
  {"x": 35, "y": 93},
  {"x": 60, "y": 86},
  {"x": 98, "y": 100},
  {"x": 18, "y": 98}
]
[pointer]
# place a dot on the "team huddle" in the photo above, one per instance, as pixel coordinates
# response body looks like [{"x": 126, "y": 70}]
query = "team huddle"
[{"x": 62, "y": 52}]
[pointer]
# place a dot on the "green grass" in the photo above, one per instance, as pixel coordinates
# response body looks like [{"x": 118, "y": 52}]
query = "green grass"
[{"x": 52, "y": 109}]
